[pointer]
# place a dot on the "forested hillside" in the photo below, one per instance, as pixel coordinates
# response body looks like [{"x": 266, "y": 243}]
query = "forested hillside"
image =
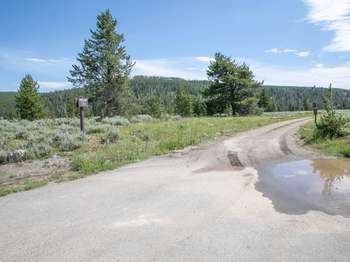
[
  {"x": 146, "y": 89},
  {"x": 295, "y": 98},
  {"x": 7, "y": 104}
]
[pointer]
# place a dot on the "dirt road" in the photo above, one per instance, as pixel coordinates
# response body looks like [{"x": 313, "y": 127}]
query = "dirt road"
[{"x": 199, "y": 204}]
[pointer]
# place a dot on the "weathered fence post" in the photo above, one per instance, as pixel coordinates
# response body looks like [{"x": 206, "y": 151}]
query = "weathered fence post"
[
  {"x": 81, "y": 103},
  {"x": 314, "y": 106}
]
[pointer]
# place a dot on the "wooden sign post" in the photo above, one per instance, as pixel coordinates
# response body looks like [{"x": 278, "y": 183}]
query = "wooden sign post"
[
  {"x": 314, "y": 106},
  {"x": 81, "y": 103}
]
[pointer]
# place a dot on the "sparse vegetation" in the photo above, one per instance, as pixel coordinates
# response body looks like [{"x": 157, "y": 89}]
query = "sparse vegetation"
[
  {"x": 141, "y": 140},
  {"x": 109, "y": 146},
  {"x": 332, "y": 124},
  {"x": 337, "y": 145}
]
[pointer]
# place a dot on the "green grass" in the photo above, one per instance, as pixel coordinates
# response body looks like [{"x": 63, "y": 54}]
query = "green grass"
[
  {"x": 31, "y": 184},
  {"x": 336, "y": 147},
  {"x": 7, "y": 104},
  {"x": 28, "y": 185},
  {"x": 140, "y": 141}
]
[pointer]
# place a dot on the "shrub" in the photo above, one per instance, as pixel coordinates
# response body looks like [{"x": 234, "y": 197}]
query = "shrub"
[
  {"x": 2, "y": 141},
  {"x": 141, "y": 118},
  {"x": 176, "y": 117},
  {"x": 331, "y": 124},
  {"x": 70, "y": 143},
  {"x": 3, "y": 157},
  {"x": 112, "y": 135},
  {"x": 345, "y": 151},
  {"x": 38, "y": 150},
  {"x": 144, "y": 136},
  {"x": 66, "y": 141},
  {"x": 38, "y": 138},
  {"x": 21, "y": 134},
  {"x": 165, "y": 117},
  {"x": 93, "y": 129},
  {"x": 116, "y": 121}
]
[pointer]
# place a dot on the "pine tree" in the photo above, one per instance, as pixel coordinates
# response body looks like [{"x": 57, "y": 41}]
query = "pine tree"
[
  {"x": 271, "y": 106},
  {"x": 28, "y": 100},
  {"x": 155, "y": 107},
  {"x": 306, "y": 104},
  {"x": 332, "y": 124},
  {"x": 230, "y": 83},
  {"x": 183, "y": 102},
  {"x": 199, "y": 106},
  {"x": 104, "y": 67},
  {"x": 264, "y": 100}
]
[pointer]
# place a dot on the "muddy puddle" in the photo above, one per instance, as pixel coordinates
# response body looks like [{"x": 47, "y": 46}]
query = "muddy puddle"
[{"x": 296, "y": 187}]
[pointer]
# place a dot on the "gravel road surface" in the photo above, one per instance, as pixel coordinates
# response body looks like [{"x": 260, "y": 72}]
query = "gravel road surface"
[{"x": 199, "y": 204}]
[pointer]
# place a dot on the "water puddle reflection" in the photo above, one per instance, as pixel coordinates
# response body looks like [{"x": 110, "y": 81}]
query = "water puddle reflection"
[{"x": 296, "y": 187}]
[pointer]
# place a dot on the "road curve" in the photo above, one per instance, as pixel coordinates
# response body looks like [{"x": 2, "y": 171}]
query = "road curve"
[{"x": 199, "y": 204}]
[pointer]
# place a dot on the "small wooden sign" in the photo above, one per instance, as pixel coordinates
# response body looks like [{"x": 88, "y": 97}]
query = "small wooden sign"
[{"x": 82, "y": 102}]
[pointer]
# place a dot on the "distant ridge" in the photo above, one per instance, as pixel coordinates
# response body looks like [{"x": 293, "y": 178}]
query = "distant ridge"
[{"x": 286, "y": 98}]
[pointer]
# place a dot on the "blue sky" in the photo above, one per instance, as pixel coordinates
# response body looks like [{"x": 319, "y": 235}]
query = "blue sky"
[{"x": 300, "y": 42}]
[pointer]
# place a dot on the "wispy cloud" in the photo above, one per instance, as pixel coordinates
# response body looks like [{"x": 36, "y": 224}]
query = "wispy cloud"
[
  {"x": 49, "y": 61},
  {"x": 51, "y": 72},
  {"x": 191, "y": 68},
  {"x": 332, "y": 15},
  {"x": 279, "y": 51},
  {"x": 318, "y": 75},
  {"x": 204, "y": 59},
  {"x": 288, "y": 50},
  {"x": 303, "y": 53}
]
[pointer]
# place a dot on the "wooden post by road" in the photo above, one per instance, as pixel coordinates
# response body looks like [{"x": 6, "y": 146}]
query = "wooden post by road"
[
  {"x": 81, "y": 103},
  {"x": 314, "y": 106},
  {"x": 81, "y": 113}
]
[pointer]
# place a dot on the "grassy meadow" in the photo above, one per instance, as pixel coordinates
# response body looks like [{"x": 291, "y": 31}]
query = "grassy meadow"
[
  {"x": 336, "y": 147},
  {"x": 110, "y": 142}
]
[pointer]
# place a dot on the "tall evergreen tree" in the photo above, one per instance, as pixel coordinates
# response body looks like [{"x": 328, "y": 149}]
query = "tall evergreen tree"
[
  {"x": 271, "y": 106},
  {"x": 199, "y": 106},
  {"x": 155, "y": 107},
  {"x": 306, "y": 104},
  {"x": 230, "y": 83},
  {"x": 28, "y": 101},
  {"x": 183, "y": 102},
  {"x": 104, "y": 67},
  {"x": 264, "y": 100}
]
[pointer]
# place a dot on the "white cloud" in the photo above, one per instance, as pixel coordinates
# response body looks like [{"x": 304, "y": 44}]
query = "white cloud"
[
  {"x": 287, "y": 50},
  {"x": 303, "y": 53},
  {"x": 53, "y": 85},
  {"x": 204, "y": 59},
  {"x": 278, "y": 51},
  {"x": 48, "y": 61},
  {"x": 191, "y": 68},
  {"x": 318, "y": 75},
  {"x": 332, "y": 15},
  {"x": 273, "y": 50}
]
